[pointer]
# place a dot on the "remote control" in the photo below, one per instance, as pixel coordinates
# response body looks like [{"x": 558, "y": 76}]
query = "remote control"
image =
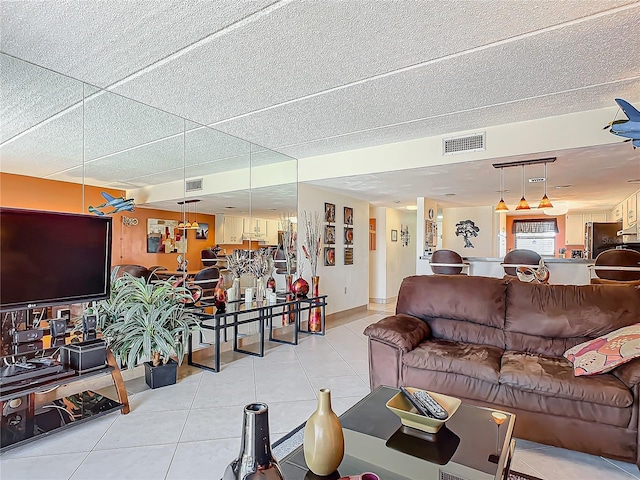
[
  {"x": 414, "y": 401},
  {"x": 430, "y": 404}
]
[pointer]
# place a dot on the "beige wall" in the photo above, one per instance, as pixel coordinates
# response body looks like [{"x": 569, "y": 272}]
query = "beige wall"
[
  {"x": 485, "y": 244},
  {"x": 347, "y": 286}
]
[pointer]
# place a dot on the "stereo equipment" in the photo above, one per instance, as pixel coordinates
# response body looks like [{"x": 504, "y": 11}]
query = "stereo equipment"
[
  {"x": 21, "y": 348},
  {"x": 27, "y": 336}
]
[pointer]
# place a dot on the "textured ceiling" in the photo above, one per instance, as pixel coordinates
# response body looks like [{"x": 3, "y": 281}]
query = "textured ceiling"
[{"x": 308, "y": 78}]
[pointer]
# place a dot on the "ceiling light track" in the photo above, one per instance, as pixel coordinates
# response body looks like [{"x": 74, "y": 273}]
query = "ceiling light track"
[{"x": 519, "y": 163}]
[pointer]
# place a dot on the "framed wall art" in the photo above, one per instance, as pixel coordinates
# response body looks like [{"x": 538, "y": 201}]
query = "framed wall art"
[
  {"x": 330, "y": 212},
  {"x": 348, "y": 235},
  {"x": 348, "y": 256},
  {"x": 348, "y": 216},
  {"x": 329, "y": 256},
  {"x": 329, "y": 234}
]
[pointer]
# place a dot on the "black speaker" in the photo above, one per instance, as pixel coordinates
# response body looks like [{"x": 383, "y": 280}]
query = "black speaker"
[
  {"x": 89, "y": 325},
  {"x": 58, "y": 327},
  {"x": 16, "y": 421}
]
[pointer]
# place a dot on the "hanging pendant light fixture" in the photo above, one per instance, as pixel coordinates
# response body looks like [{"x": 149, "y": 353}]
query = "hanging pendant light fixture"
[
  {"x": 545, "y": 202},
  {"x": 181, "y": 222},
  {"x": 195, "y": 225},
  {"x": 523, "y": 204},
  {"x": 187, "y": 224},
  {"x": 501, "y": 207}
]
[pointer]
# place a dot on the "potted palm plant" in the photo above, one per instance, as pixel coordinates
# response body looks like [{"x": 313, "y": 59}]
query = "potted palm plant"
[{"x": 149, "y": 321}]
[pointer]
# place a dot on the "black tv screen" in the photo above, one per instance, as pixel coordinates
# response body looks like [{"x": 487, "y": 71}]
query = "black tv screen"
[{"x": 50, "y": 258}]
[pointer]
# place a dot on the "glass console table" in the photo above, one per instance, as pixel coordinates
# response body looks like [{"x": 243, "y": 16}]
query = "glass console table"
[{"x": 239, "y": 313}]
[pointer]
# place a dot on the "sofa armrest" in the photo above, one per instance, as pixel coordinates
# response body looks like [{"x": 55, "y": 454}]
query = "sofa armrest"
[
  {"x": 403, "y": 331},
  {"x": 629, "y": 372}
]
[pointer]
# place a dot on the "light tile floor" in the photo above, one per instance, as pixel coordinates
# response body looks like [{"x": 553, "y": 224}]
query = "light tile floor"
[{"x": 191, "y": 430}]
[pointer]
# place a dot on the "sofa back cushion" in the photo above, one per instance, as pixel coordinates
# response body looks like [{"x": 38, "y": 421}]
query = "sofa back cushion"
[
  {"x": 457, "y": 307},
  {"x": 550, "y": 319}
]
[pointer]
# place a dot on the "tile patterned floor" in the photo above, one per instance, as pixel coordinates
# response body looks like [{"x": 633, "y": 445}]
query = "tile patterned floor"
[{"x": 191, "y": 430}]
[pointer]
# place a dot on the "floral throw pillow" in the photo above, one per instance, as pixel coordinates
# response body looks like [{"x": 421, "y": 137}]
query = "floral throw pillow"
[{"x": 605, "y": 353}]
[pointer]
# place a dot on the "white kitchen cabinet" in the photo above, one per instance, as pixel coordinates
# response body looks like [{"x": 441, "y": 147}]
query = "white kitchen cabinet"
[
  {"x": 617, "y": 213},
  {"x": 575, "y": 225},
  {"x": 574, "y": 229},
  {"x": 631, "y": 210},
  {"x": 229, "y": 230},
  {"x": 272, "y": 232},
  {"x": 595, "y": 217}
]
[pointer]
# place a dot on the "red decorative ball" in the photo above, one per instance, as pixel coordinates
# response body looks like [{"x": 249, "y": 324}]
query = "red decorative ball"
[{"x": 300, "y": 287}]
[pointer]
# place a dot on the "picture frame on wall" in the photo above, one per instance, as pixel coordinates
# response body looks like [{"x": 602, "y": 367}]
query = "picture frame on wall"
[
  {"x": 329, "y": 256},
  {"x": 394, "y": 235},
  {"x": 348, "y": 235},
  {"x": 330, "y": 212},
  {"x": 202, "y": 233},
  {"x": 348, "y": 256},
  {"x": 348, "y": 216},
  {"x": 329, "y": 234}
]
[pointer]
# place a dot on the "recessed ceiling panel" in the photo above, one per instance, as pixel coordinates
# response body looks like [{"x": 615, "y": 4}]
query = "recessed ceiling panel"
[
  {"x": 102, "y": 42},
  {"x": 31, "y": 95},
  {"x": 114, "y": 124},
  {"x": 54, "y": 145},
  {"x": 308, "y": 47}
]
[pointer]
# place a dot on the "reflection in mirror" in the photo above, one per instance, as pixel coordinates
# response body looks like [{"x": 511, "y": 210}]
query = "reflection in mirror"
[
  {"x": 134, "y": 153},
  {"x": 40, "y": 135},
  {"x": 68, "y": 146}
]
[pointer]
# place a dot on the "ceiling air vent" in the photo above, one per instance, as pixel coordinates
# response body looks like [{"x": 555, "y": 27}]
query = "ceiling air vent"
[
  {"x": 469, "y": 143},
  {"x": 194, "y": 185}
]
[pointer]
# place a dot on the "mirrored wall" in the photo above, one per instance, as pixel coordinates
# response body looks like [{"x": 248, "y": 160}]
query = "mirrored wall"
[{"x": 68, "y": 146}]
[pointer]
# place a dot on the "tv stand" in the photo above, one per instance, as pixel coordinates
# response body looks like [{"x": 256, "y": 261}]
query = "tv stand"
[{"x": 23, "y": 421}]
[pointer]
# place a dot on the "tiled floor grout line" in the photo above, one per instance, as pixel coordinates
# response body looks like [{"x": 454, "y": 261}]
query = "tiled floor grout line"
[{"x": 619, "y": 468}]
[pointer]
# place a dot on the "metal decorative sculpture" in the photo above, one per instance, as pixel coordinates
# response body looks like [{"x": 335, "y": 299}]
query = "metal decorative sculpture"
[
  {"x": 119, "y": 204},
  {"x": 468, "y": 229}
]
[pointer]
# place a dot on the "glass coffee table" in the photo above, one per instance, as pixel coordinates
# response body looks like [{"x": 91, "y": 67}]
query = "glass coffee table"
[{"x": 470, "y": 446}]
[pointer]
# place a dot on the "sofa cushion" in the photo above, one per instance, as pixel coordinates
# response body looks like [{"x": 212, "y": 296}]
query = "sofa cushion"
[
  {"x": 403, "y": 331},
  {"x": 505, "y": 397},
  {"x": 479, "y": 300},
  {"x": 605, "y": 353},
  {"x": 476, "y": 361},
  {"x": 550, "y": 319},
  {"x": 553, "y": 376}
]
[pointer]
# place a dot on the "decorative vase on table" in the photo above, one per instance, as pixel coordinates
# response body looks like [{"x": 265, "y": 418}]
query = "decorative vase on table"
[
  {"x": 260, "y": 289},
  {"x": 256, "y": 461},
  {"x": 300, "y": 287},
  {"x": 323, "y": 438},
  {"x": 315, "y": 314},
  {"x": 289, "y": 318},
  {"x": 220, "y": 296},
  {"x": 236, "y": 290}
]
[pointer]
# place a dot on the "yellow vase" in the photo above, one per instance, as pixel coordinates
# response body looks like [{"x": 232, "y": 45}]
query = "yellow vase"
[{"x": 323, "y": 437}]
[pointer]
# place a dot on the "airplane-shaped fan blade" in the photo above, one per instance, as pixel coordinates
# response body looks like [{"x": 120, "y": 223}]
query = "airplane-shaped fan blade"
[
  {"x": 629, "y": 110},
  {"x": 629, "y": 129}
]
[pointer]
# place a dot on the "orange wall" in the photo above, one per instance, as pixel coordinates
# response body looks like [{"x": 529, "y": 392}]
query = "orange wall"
[
  {"x": 132, "y": 241},
  {"x": 129, "y": 243},
  {"x": 560, "y": 236}
]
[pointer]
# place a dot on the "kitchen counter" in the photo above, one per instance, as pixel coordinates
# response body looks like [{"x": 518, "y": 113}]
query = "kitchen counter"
[{"x": 562, "y": 271}]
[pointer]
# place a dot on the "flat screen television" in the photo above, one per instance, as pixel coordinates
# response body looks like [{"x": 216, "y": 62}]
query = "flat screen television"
[{"x": 51, "y": 258}]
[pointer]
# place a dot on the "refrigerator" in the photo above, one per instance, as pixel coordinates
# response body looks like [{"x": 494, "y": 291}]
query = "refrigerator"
[{"x": 601, "y": 236}]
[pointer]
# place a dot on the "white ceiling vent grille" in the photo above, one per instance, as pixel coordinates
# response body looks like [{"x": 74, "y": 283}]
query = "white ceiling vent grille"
[
  {"x": 194, "y": 185},
  {"x": 469, "y": 143},
  {"x": 448, "y": 476}
]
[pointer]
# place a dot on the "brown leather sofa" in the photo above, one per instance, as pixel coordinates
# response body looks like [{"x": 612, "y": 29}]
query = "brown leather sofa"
[{"x": 499, "y": 342}]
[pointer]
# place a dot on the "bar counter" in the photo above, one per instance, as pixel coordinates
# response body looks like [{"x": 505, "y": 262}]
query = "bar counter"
[{"x": 562, "y": 271}]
